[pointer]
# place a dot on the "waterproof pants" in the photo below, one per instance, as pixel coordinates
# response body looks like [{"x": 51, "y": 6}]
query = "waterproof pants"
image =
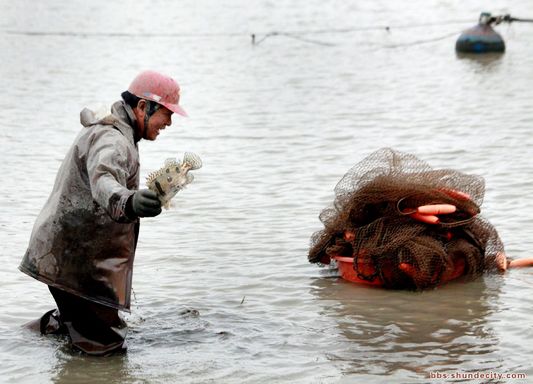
[{"x": 93, "y": 328}]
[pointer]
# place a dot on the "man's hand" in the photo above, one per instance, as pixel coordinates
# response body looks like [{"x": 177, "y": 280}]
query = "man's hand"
[{"x": 145, "y": 203}]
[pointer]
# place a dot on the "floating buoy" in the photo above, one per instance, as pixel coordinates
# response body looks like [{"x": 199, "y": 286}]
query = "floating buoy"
[{"x": 482, "y": 38}]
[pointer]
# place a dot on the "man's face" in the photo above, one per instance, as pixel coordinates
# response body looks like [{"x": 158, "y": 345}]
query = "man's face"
[{"x": 161, "y": 119}]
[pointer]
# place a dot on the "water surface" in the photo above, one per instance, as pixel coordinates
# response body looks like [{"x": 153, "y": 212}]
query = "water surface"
[{"x": 223, "y": 290}]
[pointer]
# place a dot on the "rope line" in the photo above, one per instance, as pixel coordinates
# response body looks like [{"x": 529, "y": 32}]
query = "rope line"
[
  {"x": 521, "y": 20},
  {"x": 419, "y": 42},
  {"x": 235, "y": 34},
  {"x": 296, "y": 34}
]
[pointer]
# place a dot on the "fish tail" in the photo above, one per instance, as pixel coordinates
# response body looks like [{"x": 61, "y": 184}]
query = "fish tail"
[{"x": 193, "y": 160}]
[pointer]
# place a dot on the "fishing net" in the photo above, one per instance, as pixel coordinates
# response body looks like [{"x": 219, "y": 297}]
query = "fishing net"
[{"x": 372, "y": 222}]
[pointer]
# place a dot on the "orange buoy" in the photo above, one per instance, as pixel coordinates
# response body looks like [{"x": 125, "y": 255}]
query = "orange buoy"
[
  {"x": 428, "y": 219},
  {"x": 349, "y": 236},
  {"x": 457, "y": 194},
  {"x": 528, "y": 262},
  {"x": 428, "y": 213},
  {"x": 436, "y": 209},
  {"x": 409, "y": 269}
]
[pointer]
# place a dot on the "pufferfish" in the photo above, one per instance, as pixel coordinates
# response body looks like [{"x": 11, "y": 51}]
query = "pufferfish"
[{"x": 173, "y": 177}]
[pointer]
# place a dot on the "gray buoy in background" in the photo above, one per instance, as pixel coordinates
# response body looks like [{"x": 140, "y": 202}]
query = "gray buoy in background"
[{"x": 482, "y": 38}]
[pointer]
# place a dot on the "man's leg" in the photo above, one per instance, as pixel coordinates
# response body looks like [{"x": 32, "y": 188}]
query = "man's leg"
[
  {"x": 93, "y": 328},
  {"x": 48, "y": 324}
]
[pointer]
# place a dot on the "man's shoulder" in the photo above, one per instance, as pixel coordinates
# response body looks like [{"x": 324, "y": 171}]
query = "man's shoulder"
[
  {"x": 112, "y": 127},
  {"x": 102, "y": 135}
]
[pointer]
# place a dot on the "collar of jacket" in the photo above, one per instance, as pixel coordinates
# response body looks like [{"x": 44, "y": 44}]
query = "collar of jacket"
[{"x": 126, "y": 122}]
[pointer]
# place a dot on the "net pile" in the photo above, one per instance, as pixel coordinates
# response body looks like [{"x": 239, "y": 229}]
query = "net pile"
[{"x": 370, "y": 221}]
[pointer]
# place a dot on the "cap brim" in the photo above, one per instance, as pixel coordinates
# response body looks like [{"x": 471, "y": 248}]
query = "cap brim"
[{"x": 175, "y": 108}]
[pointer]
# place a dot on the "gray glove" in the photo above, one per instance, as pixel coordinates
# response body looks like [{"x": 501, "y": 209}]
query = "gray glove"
[{"x": 145, "y": 203}]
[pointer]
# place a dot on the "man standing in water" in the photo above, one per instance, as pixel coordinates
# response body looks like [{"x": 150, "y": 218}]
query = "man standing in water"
[{"x": 83, "y": 241}]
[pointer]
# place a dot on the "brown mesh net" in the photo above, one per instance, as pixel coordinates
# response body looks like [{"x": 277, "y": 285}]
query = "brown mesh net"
[{"x": 371, "y": 221}]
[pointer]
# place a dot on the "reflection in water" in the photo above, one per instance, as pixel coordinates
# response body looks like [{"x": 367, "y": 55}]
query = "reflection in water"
[
  {"x": 71, "y": 368},
  {"x": 280, "y": 129},
  {"x": 418, "y": 333},
  {"x": 487, "y": 61}
]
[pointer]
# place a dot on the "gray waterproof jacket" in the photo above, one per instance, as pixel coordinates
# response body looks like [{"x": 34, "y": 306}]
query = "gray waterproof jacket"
[{"x": 82, "y": 241}]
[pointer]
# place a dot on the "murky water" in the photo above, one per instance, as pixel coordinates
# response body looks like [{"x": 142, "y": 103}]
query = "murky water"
[{"x": 223, "y": 290}]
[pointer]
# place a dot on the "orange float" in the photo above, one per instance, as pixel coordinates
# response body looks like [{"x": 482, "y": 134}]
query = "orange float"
[
  {"x": 347, "y": 271},
  {"x": 519, "y": 263}
]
